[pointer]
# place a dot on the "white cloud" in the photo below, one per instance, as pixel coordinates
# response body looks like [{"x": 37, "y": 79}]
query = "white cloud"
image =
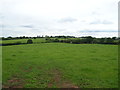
[
  {"x": 101, "y": 22},
  {"x": 67, "y": 19},
  {"x": 33, "y": 17}
]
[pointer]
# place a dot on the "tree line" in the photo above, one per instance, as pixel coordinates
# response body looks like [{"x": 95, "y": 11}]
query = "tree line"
[
  {"x": 70, "y": 39},
  {"x": 25, "y": 37},
  {"x": 85, "y": 40}
]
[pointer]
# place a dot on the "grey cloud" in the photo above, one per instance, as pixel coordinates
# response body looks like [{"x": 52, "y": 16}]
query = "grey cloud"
[
  {"x": 101, "y": 22},
  {"x": 68, "y": 19},
  {"x": 27, "y": 26},
  {"x": 107, "y": 22}
]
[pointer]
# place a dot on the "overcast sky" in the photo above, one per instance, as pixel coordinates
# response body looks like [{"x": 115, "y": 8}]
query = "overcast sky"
[{"x": 98, "y": 18}]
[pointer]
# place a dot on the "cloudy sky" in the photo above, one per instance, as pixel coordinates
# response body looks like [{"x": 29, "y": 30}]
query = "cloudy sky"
[{"x": 98, "y": 18}]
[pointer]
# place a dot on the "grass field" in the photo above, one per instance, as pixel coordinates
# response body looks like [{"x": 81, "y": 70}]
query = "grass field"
[
  {"x": 22, "y": 41},
  {"x": 60, "y": 65}
]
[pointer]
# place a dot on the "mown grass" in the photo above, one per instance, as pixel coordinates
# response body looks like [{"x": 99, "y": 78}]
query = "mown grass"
[{"x": 84, "y": 65}]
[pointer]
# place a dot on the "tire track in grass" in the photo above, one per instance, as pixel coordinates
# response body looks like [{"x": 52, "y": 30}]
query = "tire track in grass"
[
  {"x": 17, "y": 81},
  {"x": 14, "y": 82},
  {"x": 58, "y": 82}
]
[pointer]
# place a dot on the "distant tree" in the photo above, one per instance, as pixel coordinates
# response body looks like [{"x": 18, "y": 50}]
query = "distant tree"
[
  {"x": 75, "y": 41},
  {"x": 47, "y": 38},
  {"x": 88, "y": 39},
  {"x": 83, "y": 40},
  {"x": 29, "y": 41},
  {"x": 56, "y": 40},
  {"x": 38, "y": 36},
  {"x": 17, "y": 37},
  {"x": 3, "y": 38},
  {"x": 109, "y": 41},
  {"x": 102, "y": 40},
  {"x": 34, "y": 37},
  {"x": 23, "y": 37},
  {"x": 95, "y": 41},
  {"x": 9, "y": 38},
  {"x": 67, "y": 41},
  {"x": 51, "y": 36},
  {"x": 114, "y": 38},
  {"x": 119, "y": 42}
]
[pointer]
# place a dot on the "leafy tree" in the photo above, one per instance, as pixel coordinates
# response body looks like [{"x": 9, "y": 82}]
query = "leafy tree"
[
  {"x": 75, "y": 41},
  {"x": 102, "y": 40},
  {"x": 56, "y": 40},
  {"x": 114, "y": 38},
  {"x": 34, "y": 37},
  {"x": 109, "y": 41},
  {"x": 87, "y": 39},
  {"x": 9, "y": 38},
  {"x": 95, "y": 41}
]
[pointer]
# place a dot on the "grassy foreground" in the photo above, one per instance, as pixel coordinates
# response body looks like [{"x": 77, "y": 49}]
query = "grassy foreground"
[{"x": 60, "y": 65}]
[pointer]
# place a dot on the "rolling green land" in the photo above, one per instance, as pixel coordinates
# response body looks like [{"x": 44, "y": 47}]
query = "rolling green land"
[
  {"x": 60, "y": 65},
  {"x": 22, "y": 41}
]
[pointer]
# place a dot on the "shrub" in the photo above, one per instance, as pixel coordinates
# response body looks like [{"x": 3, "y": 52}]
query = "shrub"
[{"x": 29, "y": 41}]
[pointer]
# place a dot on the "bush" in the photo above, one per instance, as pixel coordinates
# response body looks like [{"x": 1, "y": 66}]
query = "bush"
[{"x": 29, "y": 41}]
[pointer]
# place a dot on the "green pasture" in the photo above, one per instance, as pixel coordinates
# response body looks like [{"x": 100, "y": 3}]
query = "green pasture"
[{"x": 60, "y": 65}]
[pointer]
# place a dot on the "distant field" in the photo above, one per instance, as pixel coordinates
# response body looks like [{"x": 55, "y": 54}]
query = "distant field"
[
  {"x": 60, "y": 65},
  {"x": 23, "y": 40}
]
